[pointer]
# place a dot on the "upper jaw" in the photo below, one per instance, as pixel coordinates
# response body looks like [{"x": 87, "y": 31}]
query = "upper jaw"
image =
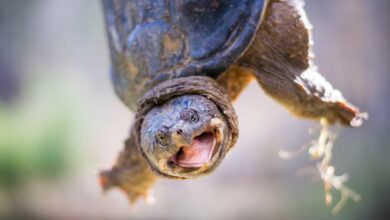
[
  {"x": 199, "y": 152},
  {"x": 202, "y": 150}
]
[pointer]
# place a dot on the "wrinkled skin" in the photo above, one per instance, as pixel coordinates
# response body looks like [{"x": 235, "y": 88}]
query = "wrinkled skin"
[
  {"x": 151, "y": 45},
  {"x": 184, "y": 137}
]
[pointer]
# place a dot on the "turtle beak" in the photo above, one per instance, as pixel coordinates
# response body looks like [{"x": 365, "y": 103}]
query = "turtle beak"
[
  {"x": 196, "y": 150},
  {"x": 181, "y": 135}
]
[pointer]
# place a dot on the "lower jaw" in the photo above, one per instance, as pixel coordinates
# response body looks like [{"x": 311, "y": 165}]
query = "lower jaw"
[
  {"x": 179, "y": 172},
  {"x": 193, "y": 156}
]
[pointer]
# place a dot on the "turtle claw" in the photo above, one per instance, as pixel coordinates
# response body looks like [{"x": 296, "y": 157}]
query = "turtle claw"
[
  {"x": 134, "y": 182},
  {"x": 130, "y": 173},
  {"x": 350, "y": 115},
  {"x": 358, "y": 120}
]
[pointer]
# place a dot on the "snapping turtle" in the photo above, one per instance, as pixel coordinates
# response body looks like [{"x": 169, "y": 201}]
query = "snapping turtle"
[{"x": 180, "y": 63}]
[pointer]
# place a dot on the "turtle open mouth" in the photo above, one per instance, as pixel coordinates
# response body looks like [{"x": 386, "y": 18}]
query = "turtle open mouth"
[{"x": 201, "y": 151}]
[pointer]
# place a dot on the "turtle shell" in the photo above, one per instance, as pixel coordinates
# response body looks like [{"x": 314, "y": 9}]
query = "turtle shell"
[{"x": 156, "y": 40}]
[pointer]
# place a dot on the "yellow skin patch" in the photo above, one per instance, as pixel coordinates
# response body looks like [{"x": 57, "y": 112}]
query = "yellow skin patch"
[
  {"x": 234, "y": 80},
  {"x": 279, "y": 58}
]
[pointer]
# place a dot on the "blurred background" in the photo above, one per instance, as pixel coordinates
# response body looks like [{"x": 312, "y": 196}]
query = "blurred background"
[{"x": 60, "y": 122}]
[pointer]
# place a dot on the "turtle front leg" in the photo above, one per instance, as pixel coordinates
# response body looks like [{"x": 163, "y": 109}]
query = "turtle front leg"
[
  {"x": 280, "y": 59},
  {"x": 131, "y": 173}
]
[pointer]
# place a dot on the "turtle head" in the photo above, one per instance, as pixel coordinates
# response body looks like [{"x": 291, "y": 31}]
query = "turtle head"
[{"x": 185, "y": 137}]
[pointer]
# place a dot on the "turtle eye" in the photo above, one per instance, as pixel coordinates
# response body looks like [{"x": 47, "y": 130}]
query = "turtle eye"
[
  {"x": 189, "y": 115},
  {"x": 161, "y": 137}
]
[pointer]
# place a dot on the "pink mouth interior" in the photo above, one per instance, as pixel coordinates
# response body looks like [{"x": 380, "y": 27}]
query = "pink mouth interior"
[{"x": 199, "y": 153}]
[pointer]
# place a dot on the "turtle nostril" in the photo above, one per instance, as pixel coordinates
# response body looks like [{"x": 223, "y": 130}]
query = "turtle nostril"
[
  {"x": 179, "y": 131},
  {"x": 171, "y": 164}
]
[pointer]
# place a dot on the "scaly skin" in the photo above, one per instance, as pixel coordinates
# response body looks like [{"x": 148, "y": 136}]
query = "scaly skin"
[
  {"x": 168, "y": 109},
  {"x": 176, "y": 123},
  {"x": 279, "y": 58},
  {"x": 131, "y": 172}
]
